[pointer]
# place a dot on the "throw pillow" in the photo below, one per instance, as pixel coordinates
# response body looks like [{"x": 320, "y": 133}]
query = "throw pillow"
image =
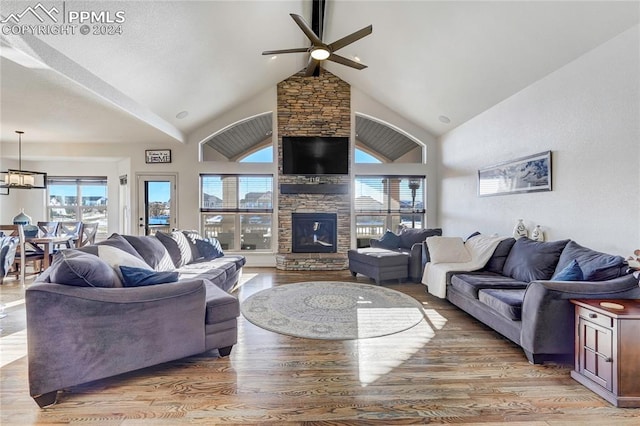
[
  {"x": 192, "y": 237},
  {"x": 152, "y": 251},
  {"x": 115, "y": 258},
  {"x": 209, "y": 248},
  {"x": 571, "y": 272},
  {"x": 81, "y": 269},
  {"x": 596, "y": 266},
  {"x": 531, "y": 260},
  {"x": 138, "y": 277},
  {"x": 119, "y": 242},
  {"x": 178, "y": 247},
  {"x": 447, "y": 250},
  {"x": 411, "y": 236},
  {"x": 499, "y": 256},
  {"x": 389, "y": 240}
]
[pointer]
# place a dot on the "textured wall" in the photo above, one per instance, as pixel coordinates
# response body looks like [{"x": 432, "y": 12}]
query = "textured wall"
[
  {"x": 313, "y": 106},
  {"x": 586, "y": 113}
]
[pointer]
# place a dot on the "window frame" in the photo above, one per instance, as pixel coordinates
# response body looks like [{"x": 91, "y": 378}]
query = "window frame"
[
  {"x": 241, "y": 217},
  {"x": 392, "y": 217},
  {"x": 80, "y": 209}
]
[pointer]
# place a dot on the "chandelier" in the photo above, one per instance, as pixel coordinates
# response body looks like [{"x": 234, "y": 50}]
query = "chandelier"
[{"x": 22, "y": 179}]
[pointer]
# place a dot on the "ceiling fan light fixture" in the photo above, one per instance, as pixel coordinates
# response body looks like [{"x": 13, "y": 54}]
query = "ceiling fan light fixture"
[{"x": 320, "y": 53}]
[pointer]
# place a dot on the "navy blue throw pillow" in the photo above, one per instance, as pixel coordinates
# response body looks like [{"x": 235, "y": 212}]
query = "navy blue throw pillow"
[
  {"x": 138, "y": 277},
  {"x": 209, "y": 248},
  {"x": 390, "y": 240},
  {"x": 571, "y": 272}
]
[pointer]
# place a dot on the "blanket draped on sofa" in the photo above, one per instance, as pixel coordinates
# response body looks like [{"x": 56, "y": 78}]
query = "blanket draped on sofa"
[{"x": 480, "y": 248}]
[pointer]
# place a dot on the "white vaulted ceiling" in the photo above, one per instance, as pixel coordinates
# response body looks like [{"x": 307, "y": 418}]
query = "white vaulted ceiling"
[{"x": 425, "y": 59}]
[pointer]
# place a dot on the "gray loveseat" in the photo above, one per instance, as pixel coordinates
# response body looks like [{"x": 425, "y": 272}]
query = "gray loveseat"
[
  {"x": 525, "y": 289},
  {"x": 128, "y": 303}
]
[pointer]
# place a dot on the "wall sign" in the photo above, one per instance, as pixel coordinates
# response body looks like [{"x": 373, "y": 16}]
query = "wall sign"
[{"x": 157, "y": 155}]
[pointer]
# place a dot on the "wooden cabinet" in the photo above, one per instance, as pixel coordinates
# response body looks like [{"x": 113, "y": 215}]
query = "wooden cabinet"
[{"x": 607, "y": 346}]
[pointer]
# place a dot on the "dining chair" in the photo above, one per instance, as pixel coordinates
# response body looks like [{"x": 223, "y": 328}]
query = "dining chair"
[
  {"x": 22, "y": 254},
  {"x": 48, "y": 229},
  {"x": 8, "y": 248},
  {"x": 88, "y": 233},
  {"x": 73, "y": 229}
]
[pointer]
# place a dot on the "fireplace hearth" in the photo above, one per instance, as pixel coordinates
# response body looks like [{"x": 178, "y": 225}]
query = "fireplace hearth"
[{"x": 314, "y": 232}]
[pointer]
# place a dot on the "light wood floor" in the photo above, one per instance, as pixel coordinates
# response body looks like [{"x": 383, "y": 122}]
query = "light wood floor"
[{"x": 448, "y": 369}]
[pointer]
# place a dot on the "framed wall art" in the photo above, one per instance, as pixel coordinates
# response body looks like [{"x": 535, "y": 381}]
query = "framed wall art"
[
  {"x": 526, "y": 174},
  {"x": 157, "y": 156}
]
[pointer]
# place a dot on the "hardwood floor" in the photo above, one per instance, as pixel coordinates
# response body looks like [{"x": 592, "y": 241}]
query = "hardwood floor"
[{"x": 447, "y": 369}]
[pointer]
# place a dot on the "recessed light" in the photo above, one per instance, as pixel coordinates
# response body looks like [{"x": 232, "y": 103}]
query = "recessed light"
[
  {"x": 356, "y": 58},
  {"x": 274, "y": 57},
  {"x": 444, "y": 119},
  {"x": 182, "y": 114}
]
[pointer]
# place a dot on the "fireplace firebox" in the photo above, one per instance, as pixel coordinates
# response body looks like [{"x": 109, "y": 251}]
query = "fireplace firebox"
[{"x": 314, "y": 232}]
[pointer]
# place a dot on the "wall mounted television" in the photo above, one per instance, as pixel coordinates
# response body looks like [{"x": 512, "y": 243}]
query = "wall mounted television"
[{"x": 315, "y": 155}]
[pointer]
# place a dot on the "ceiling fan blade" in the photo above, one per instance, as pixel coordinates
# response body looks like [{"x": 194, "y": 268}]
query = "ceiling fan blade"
[
  {"x": 311, "y": 67},
  {"x": 277, "y": 52},
  {"x": 306, "y": 29},
  {"x": 348, "y": 62},
  {"x": 344, "y": 41}
]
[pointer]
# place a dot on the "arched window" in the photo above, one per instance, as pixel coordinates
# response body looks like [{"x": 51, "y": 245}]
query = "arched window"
[
  {"x": 364, "y": 157},
  {"x": 264, "y": 155}
]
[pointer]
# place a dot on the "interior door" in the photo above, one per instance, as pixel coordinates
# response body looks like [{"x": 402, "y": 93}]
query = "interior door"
[{"x": 156, "y": 203}]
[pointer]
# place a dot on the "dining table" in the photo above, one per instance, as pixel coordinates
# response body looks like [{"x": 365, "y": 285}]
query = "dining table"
[{"x": 47, "y": 245}]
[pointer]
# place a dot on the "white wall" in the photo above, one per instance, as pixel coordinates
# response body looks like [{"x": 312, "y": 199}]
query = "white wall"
[{"x": 587, "y": 113}]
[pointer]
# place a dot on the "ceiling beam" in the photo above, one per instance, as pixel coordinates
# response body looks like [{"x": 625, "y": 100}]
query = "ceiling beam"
[
  {"x": 317, "y": 24},
  {"x": 58, "y": 62}
]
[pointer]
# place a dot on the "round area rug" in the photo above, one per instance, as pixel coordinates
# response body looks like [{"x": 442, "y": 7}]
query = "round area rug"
[{"x": 332, "y": 310}]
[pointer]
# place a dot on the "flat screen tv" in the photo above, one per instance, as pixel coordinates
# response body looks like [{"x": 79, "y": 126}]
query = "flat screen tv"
[{"x": 315, "y": 155}]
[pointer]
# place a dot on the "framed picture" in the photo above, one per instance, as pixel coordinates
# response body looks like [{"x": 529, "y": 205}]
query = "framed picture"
[
  {"x": 526, "y": 174},
  {"x": 157, "y": 155}
]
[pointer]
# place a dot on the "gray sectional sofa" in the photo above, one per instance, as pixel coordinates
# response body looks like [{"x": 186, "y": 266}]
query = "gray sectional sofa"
[
  {"x": 524, "y": 292},
  {"x": 127, "y": 303}
]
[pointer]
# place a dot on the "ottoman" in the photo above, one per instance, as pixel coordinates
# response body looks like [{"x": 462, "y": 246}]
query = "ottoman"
[{"x": 379, "y": 264}]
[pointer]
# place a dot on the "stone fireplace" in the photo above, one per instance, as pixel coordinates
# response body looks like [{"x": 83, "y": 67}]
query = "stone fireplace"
[
  {"x": 313, "y": 106},
  {"x": 314, "y": 233}
]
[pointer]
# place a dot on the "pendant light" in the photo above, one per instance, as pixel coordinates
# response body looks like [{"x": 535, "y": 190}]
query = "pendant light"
[{"x": 22, "y": 179}]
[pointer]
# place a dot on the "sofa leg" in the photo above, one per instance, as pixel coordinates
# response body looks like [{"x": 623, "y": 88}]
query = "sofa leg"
[
  {"x": 225, "y": 351},
  {"x": 353, "y": 274},
  {"x": 535, "y": 358},
  {"x": 46, "y": 399}
]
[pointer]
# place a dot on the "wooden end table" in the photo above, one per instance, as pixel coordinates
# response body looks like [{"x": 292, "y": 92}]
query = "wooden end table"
[{"x": 607, "y": 349}]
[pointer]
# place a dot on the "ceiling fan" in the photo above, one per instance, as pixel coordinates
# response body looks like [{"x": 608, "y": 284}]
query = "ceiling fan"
[{"x": 320, "y": 51}]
